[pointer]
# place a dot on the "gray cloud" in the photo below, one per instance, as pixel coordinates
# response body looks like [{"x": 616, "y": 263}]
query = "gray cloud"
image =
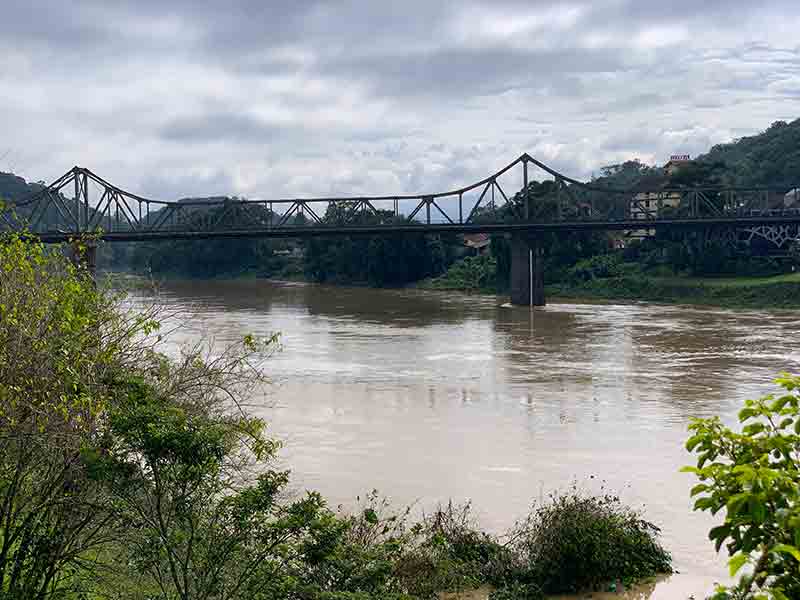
[
  {"x": 220, "y": 127},
  {"x": 314, "y": 97}
]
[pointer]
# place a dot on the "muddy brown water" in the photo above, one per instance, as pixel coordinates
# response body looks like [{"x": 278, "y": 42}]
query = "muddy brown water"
[{"x": 429, "y": 396}]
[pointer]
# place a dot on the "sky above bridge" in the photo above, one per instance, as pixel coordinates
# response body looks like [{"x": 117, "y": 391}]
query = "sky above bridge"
[{"x": 270, "y": 98}]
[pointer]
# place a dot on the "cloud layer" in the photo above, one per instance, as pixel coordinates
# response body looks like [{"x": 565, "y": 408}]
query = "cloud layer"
[{"x": 309, "y": 97}]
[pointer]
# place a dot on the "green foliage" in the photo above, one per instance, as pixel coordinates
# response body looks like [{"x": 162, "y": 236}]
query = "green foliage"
[
  {"x": 769, "y": 158},
  {"x": 216, "y": 257},
  {"x": 379, "y": 553},
  {"x": 172, "y": 468},
  {"x": 455, "y": 555},
  {"x": 601, "y": 266},
  {"x": 473, "y": 273},
  {"x": 753, "y": 475},
  {"x": 60, "y": 339},
  {"x": 355, "y": 556},
  {"x": 578, "y": 542},
  {"x": 780, "y": 292},
  {"x": 381, "y": 260}
]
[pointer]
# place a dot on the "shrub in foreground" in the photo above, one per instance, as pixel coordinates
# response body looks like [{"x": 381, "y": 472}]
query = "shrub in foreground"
[
  {"x": 574, "y": 542},
  {"x": 578, "y": 542},
  {"x": 754, "y": 475}
]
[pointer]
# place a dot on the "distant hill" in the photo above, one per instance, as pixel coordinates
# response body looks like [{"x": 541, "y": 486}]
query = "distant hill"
[
  {"x": 14, "y": 187},
  {"x": 770, "y": 158}
]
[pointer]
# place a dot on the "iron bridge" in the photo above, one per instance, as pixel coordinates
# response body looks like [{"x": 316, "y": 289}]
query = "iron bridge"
[{"x": 82, "y": 203}]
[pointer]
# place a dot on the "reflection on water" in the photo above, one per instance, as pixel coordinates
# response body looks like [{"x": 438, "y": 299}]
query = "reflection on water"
[{"x": 429, "y": 396}]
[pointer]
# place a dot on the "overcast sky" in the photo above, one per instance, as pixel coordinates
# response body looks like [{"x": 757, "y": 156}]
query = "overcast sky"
[{"x": 270, "y": 98}]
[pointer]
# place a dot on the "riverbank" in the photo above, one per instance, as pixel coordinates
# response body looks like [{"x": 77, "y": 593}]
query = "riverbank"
[
  {"x": 478, "y": 275},
  {"x": 781, "y": 291}
]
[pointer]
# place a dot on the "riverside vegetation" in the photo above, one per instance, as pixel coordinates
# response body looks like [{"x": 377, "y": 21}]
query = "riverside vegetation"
[
  {"x": 128, "y": 475},
  {"x": 611, "y": 277}
]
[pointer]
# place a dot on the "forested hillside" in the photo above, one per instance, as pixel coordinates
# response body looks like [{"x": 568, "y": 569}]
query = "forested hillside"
[
  {"x": 771, "y": 158},
  {"x": 14, "y": 188}
]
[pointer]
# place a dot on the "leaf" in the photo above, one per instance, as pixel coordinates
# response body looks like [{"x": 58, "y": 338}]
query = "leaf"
[
  {"x": 737, "y": 562},
  {"x": 787, "y": 549},
  {"x": 747, "y": 413},
  {"x": 719, "y": 534},
  {"x": 754, "y": 428},
  {"x": 693, "y": 441},
  {"x": 371, "y": 516},
  {"x": 735, "y": 502}
]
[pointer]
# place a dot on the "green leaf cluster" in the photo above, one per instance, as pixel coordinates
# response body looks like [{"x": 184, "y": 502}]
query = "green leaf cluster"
[{"x": 752, "y": 477}]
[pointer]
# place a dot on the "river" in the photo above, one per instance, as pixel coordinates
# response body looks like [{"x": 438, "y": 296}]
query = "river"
[{"x": 428, "y": 396}]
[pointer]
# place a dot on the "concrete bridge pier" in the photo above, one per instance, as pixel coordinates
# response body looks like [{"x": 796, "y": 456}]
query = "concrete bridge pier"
[
  {"x": 527, "y": 271},
  {"x": 83, "y": 255}
]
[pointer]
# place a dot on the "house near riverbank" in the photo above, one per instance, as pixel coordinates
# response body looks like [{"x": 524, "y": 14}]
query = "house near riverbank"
[
  {"x": 653, "y": 196},
  {"x": 479, "y": 243}
]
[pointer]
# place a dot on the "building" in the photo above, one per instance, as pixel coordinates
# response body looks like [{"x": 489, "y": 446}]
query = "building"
[
  {"x": 676, "y": 162},
  {"x": 653, "y": 195},
  {"x": 479, "y": 242}
]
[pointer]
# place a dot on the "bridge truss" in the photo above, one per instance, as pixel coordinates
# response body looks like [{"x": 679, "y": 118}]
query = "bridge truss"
[{"x": 80, "y": 203}]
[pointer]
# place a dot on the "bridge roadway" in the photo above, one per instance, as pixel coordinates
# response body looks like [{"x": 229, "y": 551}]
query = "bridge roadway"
[{"x": 532, "y": 227}]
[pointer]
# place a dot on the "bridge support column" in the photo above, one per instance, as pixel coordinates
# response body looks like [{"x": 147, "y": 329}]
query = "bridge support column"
[
  {"x": 527, "y": 271},
  {"x": 83, "y": 255}
]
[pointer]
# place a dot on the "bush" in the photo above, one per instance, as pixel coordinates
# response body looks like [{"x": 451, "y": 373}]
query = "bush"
[
  {"x": 754, "y": 475},
  {"x": 455, "y": 555},
  {"x": 359, "y": 556},
  {"x": 474, "y": 273},
  {"x": 377, "y": 553},
  {"x": 578, "y": 542},
  {"x": 601, "y": 266}
]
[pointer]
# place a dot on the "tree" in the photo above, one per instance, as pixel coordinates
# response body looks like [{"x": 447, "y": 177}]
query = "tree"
[
  {"x": 754, "y": 475},
  {"x": 380, "y": 260},
  {"x": 60, "y": 340},
  {"x": 175, "y": 466},
  {"x": 123, "y": 473}
]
